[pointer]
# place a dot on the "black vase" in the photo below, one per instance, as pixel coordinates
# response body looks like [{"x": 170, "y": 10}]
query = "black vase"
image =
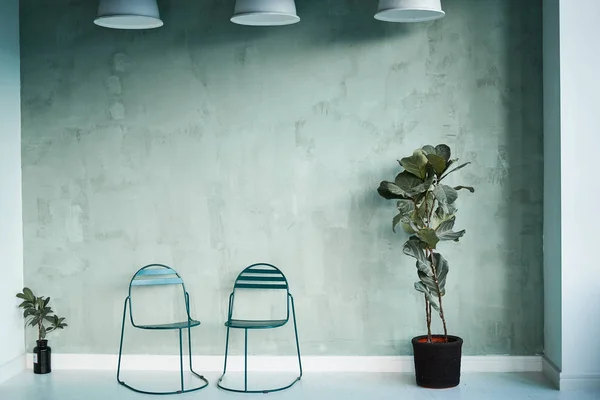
[
  {"x": 437, "y": 364},
  {"x": 41, "y": 358}
]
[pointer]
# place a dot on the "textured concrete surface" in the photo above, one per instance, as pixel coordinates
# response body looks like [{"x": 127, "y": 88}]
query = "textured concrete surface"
[{"x": 209, "y": 146}]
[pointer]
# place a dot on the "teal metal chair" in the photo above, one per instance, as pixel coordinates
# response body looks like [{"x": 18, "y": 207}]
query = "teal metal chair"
[
  {"x": 159, "y": 274},
  {"x": 259, "y": 276}
]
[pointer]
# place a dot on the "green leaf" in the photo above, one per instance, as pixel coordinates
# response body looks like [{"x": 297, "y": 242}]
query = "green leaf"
[
  {"x": 29, "y": 294},
  {"x": 415, "y": 248},
  {"x": 28, "y": 312},
  {"x": 407, "y": 228},
  {"x": 444, "y": 231},
  {"x": 455, "y": 169},
  {"x": 469, "y": 188},
  {"x": 22, "y": 296},
  {"x": 429, "y": 236},
  {"x": 438, "y": 163},
  {"x": 46, "y": 301},
  {"x": 405, "y": 206},
  {"x": 420, "y": 286},
  {"x": 396, "y": 221},
  {"x": 412, "y": 186},
  {"x": 416, "y": 164},
  {"x": 34, "y": 321},
  {"x": 26, "y": 304},
  {"x": 443, "y": 151},
  {"x": 428, "y": 149},
  {"x": 441, "y": 268},
  {"x": 426, "y": 206},
  {"x": 445, "y": 196},
  {"x": 390, "y": 190}
]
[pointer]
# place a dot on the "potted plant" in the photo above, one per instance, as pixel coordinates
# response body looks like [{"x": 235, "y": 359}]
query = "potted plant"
[
  {"x": 37, "y": 313},
  {"x": 427, "y": 212}
]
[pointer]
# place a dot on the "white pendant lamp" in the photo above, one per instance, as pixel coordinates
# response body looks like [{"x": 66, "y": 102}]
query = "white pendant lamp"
[
  {"x": 128, "y": 14},
  {"x": 409, "y": 10},
  {"x": 265, "y": 12}
]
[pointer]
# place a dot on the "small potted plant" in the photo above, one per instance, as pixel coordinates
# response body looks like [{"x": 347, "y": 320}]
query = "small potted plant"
[
  {"x": 427, "y": 212},
  {"x": 37, "y": 313}
]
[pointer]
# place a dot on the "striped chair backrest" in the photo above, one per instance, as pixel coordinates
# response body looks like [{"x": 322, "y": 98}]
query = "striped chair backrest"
[
  {"x": 167, "y": 304},
  {"x": 156, "y": 274},
  {"x": 261, "y": 276}
]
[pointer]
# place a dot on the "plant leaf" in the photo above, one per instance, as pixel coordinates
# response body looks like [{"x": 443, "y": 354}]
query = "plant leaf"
[
  {"x": 25, "y": 304},
  {"x": 429, "y": 236},
  {"x": 415, "y": 248},
  {"x": 469, "y": 188},
  {"x": 412, "y": 186},
  {"x": 445, "y": 195},
  {"x": 443, "y": 151},
  {"x": 389, "y": 190},
  {"x": 405, "y": 206},
  {"x": 46, "y": 301},
  {"x": 428, "y": 149},
  {"x": 441, "y": 268},
  {"x": 438, "y": 163},
  {"x": 27, "y": 292},
  {"x": 416, "y": 164},
  {"x": 455, "y": 169},
  {"x": 444, "y": 231},
  {"x": 420, "y": 286},
  {"x": 22, "y": 296},
  {"x": 43, "y": 332}
]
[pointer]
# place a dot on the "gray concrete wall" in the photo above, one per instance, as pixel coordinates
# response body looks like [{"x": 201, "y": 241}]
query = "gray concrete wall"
[
  {"x": 552, "y": 185},
  {"x": 209, "y": 146}
]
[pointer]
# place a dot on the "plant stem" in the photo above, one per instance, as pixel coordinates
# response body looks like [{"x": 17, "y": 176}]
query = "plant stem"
[
  {"x": 439, "y": 293},
  {"x": 428, "y": 313}
]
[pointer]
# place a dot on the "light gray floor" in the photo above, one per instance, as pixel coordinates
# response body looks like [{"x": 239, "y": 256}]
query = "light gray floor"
[{"x": 92, "y": 385}]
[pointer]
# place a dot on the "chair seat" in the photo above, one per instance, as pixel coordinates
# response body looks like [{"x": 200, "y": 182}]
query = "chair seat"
[
  {"x": 175, "y": 325},
  {"x": 250, "y": 324}
]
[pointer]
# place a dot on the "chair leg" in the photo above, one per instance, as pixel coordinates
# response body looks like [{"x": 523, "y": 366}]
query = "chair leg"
[
  {"x": 226, "y": 351},
  {"x": 181, "y": 359},
  {"x": 246, "y": 359},
  {"x": 190, "y": 348},
  {"x": 121, "y": 344},
  {"x": 296, "y": 332},
  {"x": 191, "y": 365}
]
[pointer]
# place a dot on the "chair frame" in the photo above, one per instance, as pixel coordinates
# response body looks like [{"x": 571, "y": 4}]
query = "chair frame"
[
  {"x": 144, "y": 271},
  {"x": 271, "y": 284}
]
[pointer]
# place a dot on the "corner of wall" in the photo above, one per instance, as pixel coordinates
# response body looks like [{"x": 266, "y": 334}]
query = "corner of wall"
[
  {"x": 12, "y": 368},
  {"x": 551, "y": 372}
]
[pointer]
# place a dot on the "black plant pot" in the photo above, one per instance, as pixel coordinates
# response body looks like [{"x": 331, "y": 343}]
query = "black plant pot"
[
  {"x": 41, "y": 357},
  {"x": 437, "y": 364}
]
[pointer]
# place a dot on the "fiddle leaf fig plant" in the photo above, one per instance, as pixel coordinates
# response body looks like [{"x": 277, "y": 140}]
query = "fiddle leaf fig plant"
[
  {"x": 427, "y": 212},
  {"x": 37, "y": 313}
]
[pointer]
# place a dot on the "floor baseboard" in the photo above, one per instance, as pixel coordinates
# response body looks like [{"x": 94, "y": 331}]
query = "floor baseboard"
[
  {"x": 551, "y": 372},
  {"x": 566, "y": 382},
  {"x": 285, "y": 363}
]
